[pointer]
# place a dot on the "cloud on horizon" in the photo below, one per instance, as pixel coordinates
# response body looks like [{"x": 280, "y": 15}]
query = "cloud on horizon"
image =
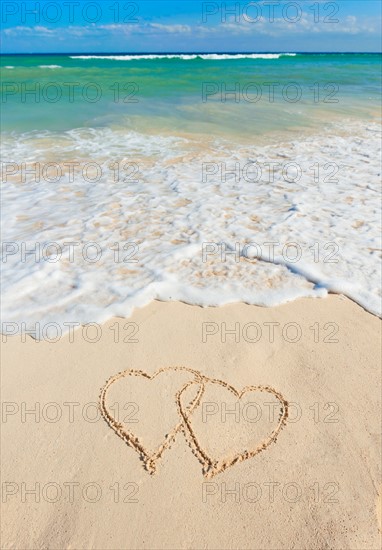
[{"x": 231, "y": 33}]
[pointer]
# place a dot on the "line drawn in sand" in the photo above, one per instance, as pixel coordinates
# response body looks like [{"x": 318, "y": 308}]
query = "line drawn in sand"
[{"x": 211, "y": 466}]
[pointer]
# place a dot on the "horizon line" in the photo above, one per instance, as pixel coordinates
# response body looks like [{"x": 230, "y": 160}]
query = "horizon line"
[{"x": 190, "y": 53}]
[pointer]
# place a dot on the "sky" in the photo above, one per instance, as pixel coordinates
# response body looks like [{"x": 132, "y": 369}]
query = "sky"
[{"x": 122, "y": 26}]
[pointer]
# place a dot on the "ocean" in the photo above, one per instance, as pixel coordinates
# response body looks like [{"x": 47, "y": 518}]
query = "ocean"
[{"x": 205, "y": 178}]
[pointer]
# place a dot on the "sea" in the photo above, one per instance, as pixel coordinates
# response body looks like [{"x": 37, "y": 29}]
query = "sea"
[{"x": 205, "y": 178}]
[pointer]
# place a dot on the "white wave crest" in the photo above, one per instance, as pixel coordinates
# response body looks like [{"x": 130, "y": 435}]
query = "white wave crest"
[{"x": 187, "y": 57}]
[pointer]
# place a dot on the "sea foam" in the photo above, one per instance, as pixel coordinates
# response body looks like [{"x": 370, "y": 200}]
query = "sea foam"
[
  {"x": 187, "y": 57},
  {"x": 184, "y": 237}
]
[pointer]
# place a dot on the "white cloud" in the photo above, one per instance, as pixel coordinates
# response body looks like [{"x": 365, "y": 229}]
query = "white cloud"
[
  {"x": 306, "y": 25},
  {"x": 171, "y": 29},
  {"x": 16, "y": 31},
  {"x": 278, "y": 28}
]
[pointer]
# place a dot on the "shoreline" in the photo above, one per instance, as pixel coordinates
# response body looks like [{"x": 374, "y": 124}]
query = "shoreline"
[
  {"x": 70, "y": 329},
  {"x": 327, "y": 222}
]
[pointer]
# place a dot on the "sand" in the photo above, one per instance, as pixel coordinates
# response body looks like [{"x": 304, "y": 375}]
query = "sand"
[{"x": 187, "y": 459}]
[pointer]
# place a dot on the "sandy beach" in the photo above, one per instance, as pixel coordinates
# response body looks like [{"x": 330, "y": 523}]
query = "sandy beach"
[
  {"x": 191, "y": 299},
  {"x": 298, "y": 453}
]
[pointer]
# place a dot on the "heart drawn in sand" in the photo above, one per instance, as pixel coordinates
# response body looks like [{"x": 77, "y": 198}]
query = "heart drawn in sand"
[
  {"x": 180, "y": 406},
  {"x": 257, "y": 435},
  {"x": 172, "y": 423}
]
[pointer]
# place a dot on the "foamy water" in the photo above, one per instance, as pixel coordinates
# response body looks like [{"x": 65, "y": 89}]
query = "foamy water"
[
  {"x": 171, "y": 211},
  {"x": 187, "y": 57}
]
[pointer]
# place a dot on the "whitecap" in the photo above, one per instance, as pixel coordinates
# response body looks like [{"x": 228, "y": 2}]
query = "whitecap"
[{"x": 187, "y": 57}]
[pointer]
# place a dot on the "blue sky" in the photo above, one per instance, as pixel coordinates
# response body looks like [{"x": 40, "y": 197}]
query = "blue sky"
[{"x": 60, "y": 26}]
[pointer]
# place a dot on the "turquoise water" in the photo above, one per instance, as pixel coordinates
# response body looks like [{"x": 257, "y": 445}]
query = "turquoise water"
[{"x": 166, "y": 95}]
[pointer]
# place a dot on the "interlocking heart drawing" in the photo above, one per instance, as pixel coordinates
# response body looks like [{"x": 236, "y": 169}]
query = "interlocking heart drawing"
[{"x": 197, "y": 400}]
